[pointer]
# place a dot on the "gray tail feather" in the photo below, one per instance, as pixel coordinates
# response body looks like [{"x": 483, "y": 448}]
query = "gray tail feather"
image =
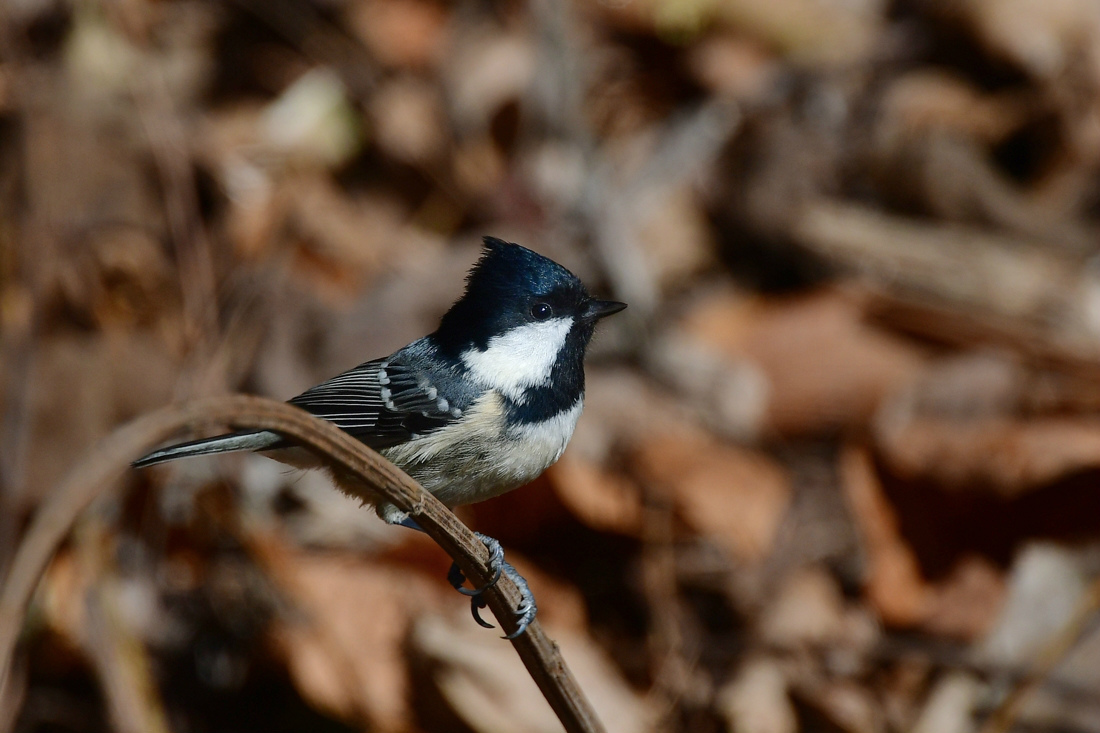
[{"x": 222, "y": 444}]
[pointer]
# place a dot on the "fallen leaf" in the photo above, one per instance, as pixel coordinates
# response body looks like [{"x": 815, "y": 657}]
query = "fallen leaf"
[
  {"x": 401, "y": 33},
  {"x": 892, "y": 581},
  {"x": 313, "y": 122},
  {"x": 1043, "y": 36},
  {"x": 967, "y": 602},
  {"x": 849, "y": 706},
  {"x": 487, "y": 687},
  {"x": 826, "y": 369},
  {"x": 408, "y": 120},
  {"x": 345, "y": 651},
  {"x": 60, "y": 597},
  {"x": 1045, "y": 584},
  {"x": 733, "y": 66},
  {"x": 734, "y": 495},
  {"x": 808, "y": 610},
  {"x": 604, "y": 500},
  {"x": 924, "y": 99},
  {"x": 676, "y": 239},
  {"x": 484, "y": 73},
  {"x": 951, "y": 704},
  {"x": 1005, "y": 456},
  {"x": 756, "y": 700}
]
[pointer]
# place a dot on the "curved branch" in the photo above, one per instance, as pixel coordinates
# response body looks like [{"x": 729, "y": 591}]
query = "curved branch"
[{"x": 110, "y": 459}]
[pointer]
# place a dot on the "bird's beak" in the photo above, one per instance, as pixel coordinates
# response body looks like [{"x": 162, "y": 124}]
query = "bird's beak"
[{"x": 598, "y": 309}]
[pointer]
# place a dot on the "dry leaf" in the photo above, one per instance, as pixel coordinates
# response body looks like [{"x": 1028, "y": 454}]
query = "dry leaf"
[
  {"x": 313, "y": 122},
  {"x": 1043, "y": 36},
  {"x": 345, "y": 650},
  {"x": 967, "y": 601},
  {"x": 479, "y": 166},
  {"x": 892, "y": 583},
  {"x": 408, "y": 119},
  {"x": 964, "y": 426},
  {"x": 1050, "y": 586},
  {"x": 734, "y": 66},
  {"x": 61, "y": 597},
  {"x": 814, "y": 32},
  {"x": 484, "y": 74},
  {"x": 487, "y": 687},
  {"x": 826, "y": 369},
  {"x": 1045, "y": 585},
  {"x": 808, "y": 610},
  {"x": 734, "y": 495},
  {"x": 962, "y": 604},
  {"x": 622, "y": 408},
  {"x": 341, "y": 241},
  {"x": 676, "y": 238},
  {"x": 756, "y": 700},
  {"x": 406, "y": 33},
  {"x": 601, "y": 499},
  {"x": 849, "y": 706},
  {"x": 1002, "y": 455},
  {"x": 950, "y": 705},
  {"x": 924, "y": 100}
]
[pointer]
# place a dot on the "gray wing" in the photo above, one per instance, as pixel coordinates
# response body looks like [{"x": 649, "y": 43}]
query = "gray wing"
[{"x": 383, "y": 403}]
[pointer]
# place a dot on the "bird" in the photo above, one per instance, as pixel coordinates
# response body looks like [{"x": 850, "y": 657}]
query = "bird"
[{"x": 482, "y": 405}]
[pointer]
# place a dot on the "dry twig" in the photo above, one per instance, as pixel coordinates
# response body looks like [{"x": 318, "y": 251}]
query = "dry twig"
[
  {"x": 97, "y": 472},
  {"x": 1004, "y": 716}
]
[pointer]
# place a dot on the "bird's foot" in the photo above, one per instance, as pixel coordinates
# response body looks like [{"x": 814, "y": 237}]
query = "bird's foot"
[
  {"x": 496, "y": 565},
  {"x": 527, "y": 607}
]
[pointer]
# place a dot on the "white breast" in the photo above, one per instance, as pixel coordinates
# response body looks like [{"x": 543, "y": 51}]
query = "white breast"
[{"x": 519, "y": 358}]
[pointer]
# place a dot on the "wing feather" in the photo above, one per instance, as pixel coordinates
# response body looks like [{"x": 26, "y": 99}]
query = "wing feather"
[{"x": 383, "y": 402}]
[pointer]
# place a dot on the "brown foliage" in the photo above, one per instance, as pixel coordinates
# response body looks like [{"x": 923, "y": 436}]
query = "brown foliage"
[{"x": 848, "y": 420}]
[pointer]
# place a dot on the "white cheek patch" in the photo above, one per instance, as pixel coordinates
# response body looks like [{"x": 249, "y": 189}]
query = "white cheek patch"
[{"x": 520, "y": 358}]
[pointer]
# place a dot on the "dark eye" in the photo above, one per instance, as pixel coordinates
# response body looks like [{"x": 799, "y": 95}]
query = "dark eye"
[{"x": 541, "y": 311}]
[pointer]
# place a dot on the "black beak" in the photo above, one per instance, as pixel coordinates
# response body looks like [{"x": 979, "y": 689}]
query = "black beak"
[{"x": 597, "y": 309}]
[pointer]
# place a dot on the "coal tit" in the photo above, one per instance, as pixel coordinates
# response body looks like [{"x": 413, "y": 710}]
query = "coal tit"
[{"x": 481, "y": 406}]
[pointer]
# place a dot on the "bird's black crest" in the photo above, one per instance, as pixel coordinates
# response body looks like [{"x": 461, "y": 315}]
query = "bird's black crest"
[
  {"x": 508, "y": 269},
  {"x": 499, "y": 290}
]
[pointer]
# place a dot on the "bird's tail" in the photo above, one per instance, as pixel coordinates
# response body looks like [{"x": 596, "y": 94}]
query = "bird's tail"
[{"x": 261, "y": 440}]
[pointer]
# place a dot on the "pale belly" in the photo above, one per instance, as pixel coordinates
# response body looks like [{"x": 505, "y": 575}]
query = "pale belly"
[{"x": 480, "y": 461}]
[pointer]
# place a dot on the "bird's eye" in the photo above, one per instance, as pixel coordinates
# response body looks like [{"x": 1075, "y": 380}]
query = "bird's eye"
[{"x": 541, "y": 311}]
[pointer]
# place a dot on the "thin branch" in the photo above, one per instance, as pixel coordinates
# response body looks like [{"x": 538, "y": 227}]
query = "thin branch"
[
  {"x": 1004, "y": 717},
  {"x": 121, "y": 662},
  {"x": 99, "y": 470}
]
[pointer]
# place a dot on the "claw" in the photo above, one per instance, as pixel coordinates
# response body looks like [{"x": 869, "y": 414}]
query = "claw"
[
  {"x": 496, "y": 563},
  {"x": 527, "y": 609},
  {"x": 525, "y": 614},
  {"x": 477, "y": 603}
]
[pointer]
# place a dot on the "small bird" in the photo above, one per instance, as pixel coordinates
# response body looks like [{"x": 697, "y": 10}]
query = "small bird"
[{"x": 479, "y": 407}]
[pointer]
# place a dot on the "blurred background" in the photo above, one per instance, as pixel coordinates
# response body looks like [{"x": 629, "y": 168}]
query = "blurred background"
[{"x": 839, "y": 464}]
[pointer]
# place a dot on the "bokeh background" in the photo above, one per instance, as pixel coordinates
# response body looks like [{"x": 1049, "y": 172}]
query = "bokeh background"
[{"x": 839, "y": 468}]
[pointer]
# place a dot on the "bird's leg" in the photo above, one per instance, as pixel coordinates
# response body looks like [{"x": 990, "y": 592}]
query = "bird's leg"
[
  {"x": 496, "y": 564},
  {"x": 455, "y": 576},
  {"x": 527, "y": 607}
]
